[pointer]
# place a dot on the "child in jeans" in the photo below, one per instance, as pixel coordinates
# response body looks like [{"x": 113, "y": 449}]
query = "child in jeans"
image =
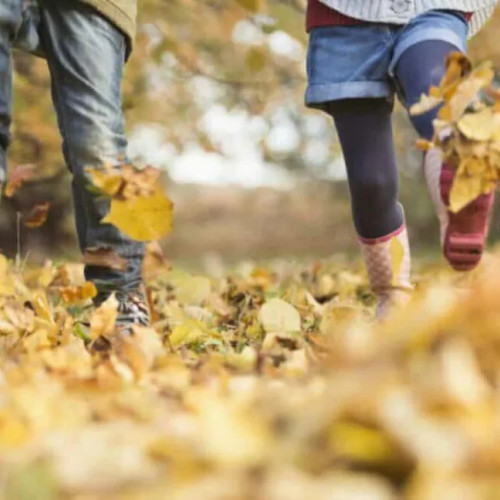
[
  {"x": 86, "y": 44},
  {"x": 361, "y": 52}
]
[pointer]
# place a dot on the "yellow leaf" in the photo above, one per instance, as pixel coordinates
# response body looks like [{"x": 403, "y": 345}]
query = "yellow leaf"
[
  {"x": 424, "y": 145},
  {"x": 361, "y": 443},
  {"x": 102, "y": 322},
  {"x": 6, "y": 281},
  {"x": 473, "y": 166},
  {"x": 256, "y": 59},
  {"x": 13, "y": 432},
  {"x": 144, "y": 218},
  {"x": 139, "y": 350},
  {"x": 107, "y": 180},
  {"x": 458, "y": 66},
  {"x": 278, "y": 316},
  {"x": 244, "y": 361},
  {"x": 42, "y": 306},
  {"x": 465, "y": 189},
  {"x": 231, "y": 436},
  {"x": 478, "y": 126},
  {"x": 425, "y": 104},
  {"x": 73, "y": 294},
  {"x": 253, "y": 5},
  {"x": 466, "y": 93},
  {"x": 193, "y": 290},
  {"x": 189, "y": 331}
]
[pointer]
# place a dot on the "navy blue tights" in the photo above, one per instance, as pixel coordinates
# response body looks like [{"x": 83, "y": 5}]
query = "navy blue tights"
[{"x": 364, "y": 127}]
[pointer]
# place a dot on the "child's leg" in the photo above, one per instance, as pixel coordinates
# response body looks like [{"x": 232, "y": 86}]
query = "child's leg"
[
  {"x": 463, "y": 234},
  {"x": 420, "y": 67},
  {"x": 365, "y": 133},
  {"x": 86, "y": 56},
  {"x": 10, "y": 15}
]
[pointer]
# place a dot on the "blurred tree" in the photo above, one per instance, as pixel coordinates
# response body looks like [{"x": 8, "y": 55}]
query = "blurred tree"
[{"x": 191, "y": 54}]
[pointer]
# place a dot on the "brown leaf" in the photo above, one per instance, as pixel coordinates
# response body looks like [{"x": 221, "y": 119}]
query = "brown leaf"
[
  {"x": 104, "y": 257},
  {"x": 37, "y": 216},
  {"x": 18, "y": 177}
]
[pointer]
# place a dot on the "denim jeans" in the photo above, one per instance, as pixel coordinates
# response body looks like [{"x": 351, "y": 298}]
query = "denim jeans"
[{"x": 86, "y": 56}]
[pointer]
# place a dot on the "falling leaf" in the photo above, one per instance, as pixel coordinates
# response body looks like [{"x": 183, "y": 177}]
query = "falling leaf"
[
  {"x": 277, "y": 316},
  {"x": 424, "y": 144},
  {"x": 18, "y": 177},
  {"x": 37, "y": 216},
  {"x": 108, "y": 180},
  {"x": 125, "y": 182},
  {"x": 139, "y": 182},
  {"x": 464, "y": 190},
  {"x": 426, "y": 103},
  {"x": 104, "y": 257},
  {"x": 478, "y": 126},
  {"x": 473, "y": 166},
  {"x": 143, "y": 218},
  {"x": 466, "y": 92}
]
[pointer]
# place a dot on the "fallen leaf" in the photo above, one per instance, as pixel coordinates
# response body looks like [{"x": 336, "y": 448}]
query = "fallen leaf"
[
  {"x": 102, "y": 322},
  {"x": 73, "y": 294},
  {"x": 187, "y": 332},
  {"x": 7, "y": 285},
  {"x": 278, "y": 316},
  {"x": 193, "y": 290}
]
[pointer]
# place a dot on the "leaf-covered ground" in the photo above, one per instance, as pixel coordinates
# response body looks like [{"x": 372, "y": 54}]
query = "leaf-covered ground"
[{"x": 268, "y": 383}]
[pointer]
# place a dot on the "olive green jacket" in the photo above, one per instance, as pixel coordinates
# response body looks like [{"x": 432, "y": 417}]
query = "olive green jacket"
[{"x": 122, "y": 13}]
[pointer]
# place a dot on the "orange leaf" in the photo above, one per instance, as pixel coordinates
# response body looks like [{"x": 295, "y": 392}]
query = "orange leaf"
[
  {"x": 72, "y": 294},
  {"x": 37, "y": 216}
]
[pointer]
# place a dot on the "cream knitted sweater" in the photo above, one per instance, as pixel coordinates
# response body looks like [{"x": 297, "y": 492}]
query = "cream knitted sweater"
[{"x": 401, "y": 11}]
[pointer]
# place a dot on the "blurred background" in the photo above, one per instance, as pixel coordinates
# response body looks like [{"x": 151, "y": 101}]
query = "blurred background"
[{"x": 214, "y": 97}]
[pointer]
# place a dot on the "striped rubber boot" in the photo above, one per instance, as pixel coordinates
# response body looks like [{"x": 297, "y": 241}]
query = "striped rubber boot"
[
  {"x": 388, "y": 263},
  {"x": 463, "y": 234}
]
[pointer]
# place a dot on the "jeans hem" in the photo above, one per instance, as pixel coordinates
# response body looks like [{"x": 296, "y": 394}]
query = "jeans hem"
[{"x": 318, "y": 94}]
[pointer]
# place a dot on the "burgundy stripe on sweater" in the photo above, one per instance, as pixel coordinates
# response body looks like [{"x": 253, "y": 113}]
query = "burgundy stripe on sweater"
[{"x": 318, "y": 14}]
